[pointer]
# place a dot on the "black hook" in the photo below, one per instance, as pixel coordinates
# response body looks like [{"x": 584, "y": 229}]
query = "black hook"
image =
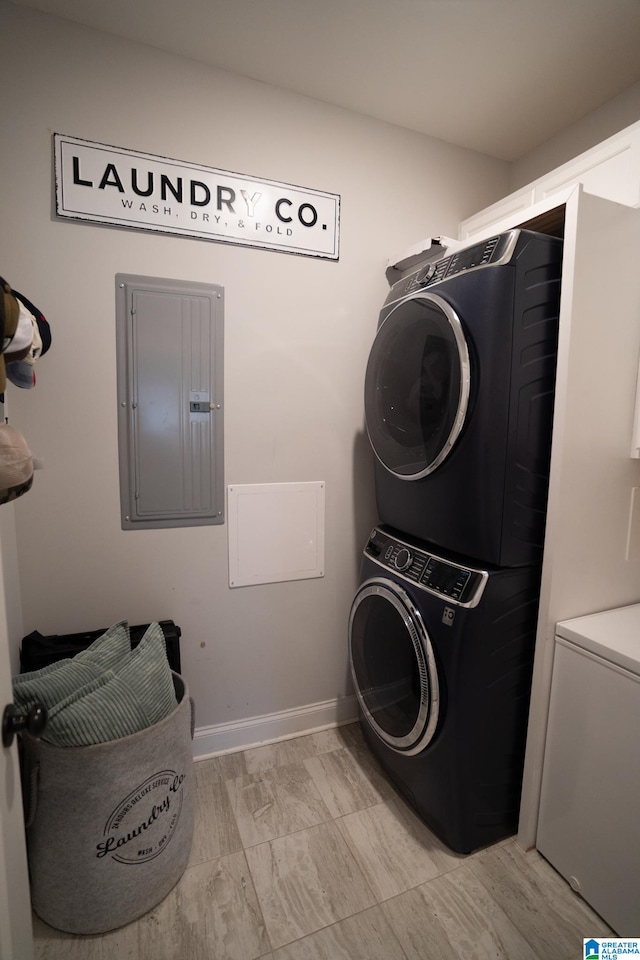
[{"x": 13, "y": 722}]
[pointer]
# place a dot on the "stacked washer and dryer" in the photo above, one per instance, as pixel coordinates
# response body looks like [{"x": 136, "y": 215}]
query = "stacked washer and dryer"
[{"x": 459, "y": 396}]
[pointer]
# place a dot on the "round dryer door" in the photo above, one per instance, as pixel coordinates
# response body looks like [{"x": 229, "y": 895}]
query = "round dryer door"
[
  {"x": 417, "y": 386},
  {"x": 393, "y": 666}
]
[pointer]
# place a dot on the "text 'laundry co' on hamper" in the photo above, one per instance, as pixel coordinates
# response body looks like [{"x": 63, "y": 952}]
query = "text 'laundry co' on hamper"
[{"x": 110, "y": 826}]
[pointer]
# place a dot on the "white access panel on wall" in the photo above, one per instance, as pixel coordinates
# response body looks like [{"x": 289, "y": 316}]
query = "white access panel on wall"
[
  {"x": 170, "y": 409},
  {"x": 276, "y": 532}
]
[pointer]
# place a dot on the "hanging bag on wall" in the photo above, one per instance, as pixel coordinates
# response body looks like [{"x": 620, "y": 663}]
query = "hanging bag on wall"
[{"x": 110, "y": 826}]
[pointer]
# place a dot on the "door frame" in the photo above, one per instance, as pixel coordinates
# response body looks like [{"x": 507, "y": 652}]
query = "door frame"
[{"x": 16, "y": 932}]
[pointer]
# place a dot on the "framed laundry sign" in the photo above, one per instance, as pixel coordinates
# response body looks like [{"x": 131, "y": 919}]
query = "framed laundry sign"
[{"x": 113, "y": 185}]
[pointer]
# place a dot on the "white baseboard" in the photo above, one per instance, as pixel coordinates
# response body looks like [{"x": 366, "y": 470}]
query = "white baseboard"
[{"x": 256, "y": 731}]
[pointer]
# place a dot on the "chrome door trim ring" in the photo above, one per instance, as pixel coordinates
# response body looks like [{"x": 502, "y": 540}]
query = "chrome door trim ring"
[
  {"x": 424, "y": 728},
  {"x": 465, "y": 382}
]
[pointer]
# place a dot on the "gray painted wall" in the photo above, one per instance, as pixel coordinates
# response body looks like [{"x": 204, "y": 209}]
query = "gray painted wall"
[{"x": 297, "y": 337}]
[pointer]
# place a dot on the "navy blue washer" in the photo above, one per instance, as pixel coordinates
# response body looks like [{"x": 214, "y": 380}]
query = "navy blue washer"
[{"x": 441, "y": 658}]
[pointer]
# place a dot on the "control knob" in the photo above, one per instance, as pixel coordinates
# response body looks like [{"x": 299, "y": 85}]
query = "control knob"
[
  {"x": 425, "y": 274},
  {"x": 403, "y": 559}
]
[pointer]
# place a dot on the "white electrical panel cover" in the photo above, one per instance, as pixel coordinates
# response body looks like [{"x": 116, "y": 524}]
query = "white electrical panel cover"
[{"x": 276, "y": 532}]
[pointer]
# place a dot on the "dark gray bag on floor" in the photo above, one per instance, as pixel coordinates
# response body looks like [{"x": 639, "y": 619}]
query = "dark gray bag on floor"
[{"x": 109, "y": 826}]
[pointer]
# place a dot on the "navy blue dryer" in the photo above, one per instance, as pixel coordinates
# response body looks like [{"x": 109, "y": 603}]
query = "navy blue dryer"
[
  {"x": 441, "y": 657},
  {"x": 459, "y": 398}
]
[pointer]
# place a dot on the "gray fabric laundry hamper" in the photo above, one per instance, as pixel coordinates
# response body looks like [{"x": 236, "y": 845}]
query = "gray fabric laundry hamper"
[{"x": 109, "y": 826}]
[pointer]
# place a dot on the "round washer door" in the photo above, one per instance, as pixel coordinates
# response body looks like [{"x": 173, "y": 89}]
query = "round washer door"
[
  {"x": 393, "y": 666},
  {"x": 417, "y": 386}
]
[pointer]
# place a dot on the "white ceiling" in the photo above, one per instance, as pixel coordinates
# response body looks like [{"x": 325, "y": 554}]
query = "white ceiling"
[{"x": 498, "y": 76}]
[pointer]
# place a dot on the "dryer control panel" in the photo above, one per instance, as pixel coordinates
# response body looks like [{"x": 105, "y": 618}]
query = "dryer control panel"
[
  {"x": 457, "y": 584},
  {"x": 494, "y": 252}
]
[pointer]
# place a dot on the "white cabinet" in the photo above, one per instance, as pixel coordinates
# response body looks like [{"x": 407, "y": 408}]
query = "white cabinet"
[
  {"x": 510, "y": 206},
  {"x": 585, "y": 565},
  {"x": 589, "y": 826},
  {"x": 611, "y": 170}
]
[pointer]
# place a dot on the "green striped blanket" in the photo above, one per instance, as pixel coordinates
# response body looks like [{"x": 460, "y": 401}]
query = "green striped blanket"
[{"x": 105, "y": 692}]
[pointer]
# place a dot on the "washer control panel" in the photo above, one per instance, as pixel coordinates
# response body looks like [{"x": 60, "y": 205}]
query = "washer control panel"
[{"x": 457, "y": 584}]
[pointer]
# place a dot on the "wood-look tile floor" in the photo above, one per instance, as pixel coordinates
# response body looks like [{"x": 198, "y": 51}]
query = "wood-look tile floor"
[{"x": 303, "y": 851}]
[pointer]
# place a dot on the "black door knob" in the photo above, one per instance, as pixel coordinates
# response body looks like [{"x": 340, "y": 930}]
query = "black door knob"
[{"x": 13, "y": 722}]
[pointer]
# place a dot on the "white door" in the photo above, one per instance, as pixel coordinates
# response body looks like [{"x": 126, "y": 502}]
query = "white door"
[{"x": 16, "y": 939}]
